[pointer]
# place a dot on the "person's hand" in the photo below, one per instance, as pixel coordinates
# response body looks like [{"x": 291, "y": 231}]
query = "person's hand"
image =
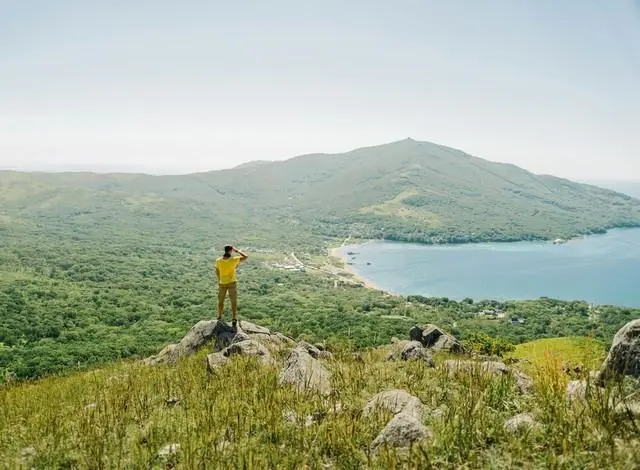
[{"x": 234, "y": 249}]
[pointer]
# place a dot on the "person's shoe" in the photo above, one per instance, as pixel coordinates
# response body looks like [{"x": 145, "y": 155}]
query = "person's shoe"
[{"x": 234, "y": 323}]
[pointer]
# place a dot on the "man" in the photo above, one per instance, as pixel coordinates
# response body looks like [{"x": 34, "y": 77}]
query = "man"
[{"x": 227, "y": 280}]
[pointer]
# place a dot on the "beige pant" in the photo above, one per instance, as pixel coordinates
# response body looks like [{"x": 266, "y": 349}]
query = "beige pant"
[{"x": 232, "y": 289}]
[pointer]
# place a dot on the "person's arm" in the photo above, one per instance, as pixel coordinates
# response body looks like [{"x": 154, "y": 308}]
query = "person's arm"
[{"x": 243, "y": 256}]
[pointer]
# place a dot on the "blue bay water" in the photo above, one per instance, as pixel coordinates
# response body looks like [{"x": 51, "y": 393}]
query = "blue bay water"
[{"x": 602, "y": 269}]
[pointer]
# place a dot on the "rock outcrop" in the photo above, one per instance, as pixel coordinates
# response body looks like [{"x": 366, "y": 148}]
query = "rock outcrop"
[
  {"x": 415, "y": 351},
  {"x": 215, "y": 361},
  {"x": 305, "y": 373},
  {"x": 410, "y": 351},
  {"x": 624, "y": 355},
  {"x": 220, "y": 335},
  {"x": 434, "y": 338}
]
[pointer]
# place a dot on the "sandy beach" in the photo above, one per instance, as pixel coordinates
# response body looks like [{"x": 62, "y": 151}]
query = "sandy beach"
[{"x": 349, "y": 271}]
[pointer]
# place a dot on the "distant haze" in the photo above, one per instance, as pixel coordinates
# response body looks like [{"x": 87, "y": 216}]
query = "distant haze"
[{"x": 176, "y": 87}]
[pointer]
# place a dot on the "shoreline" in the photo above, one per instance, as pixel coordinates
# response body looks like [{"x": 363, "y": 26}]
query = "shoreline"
[{"x": 351, "y": 272}]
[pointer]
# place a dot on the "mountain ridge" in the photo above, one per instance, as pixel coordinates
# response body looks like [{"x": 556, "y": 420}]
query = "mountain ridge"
[{"x": 405, "y": 190}]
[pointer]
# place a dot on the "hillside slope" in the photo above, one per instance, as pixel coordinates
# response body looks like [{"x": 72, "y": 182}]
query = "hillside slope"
[
  {"x": 95, "y": 267},
  {"x": 242, "y": 414},
  {"x": 405, "y": 190}
]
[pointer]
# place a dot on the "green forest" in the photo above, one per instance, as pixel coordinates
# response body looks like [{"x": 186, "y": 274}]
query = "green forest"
[{"x": 95, "y": 268}]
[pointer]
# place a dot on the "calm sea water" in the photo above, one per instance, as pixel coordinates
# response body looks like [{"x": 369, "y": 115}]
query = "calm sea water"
[{"x": 602, "y": 269}]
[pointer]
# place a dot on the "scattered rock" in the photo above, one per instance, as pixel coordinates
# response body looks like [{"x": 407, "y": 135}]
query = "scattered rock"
[
  {"x": 27, "y": 454},
  {"x": 320, "y": 347},
  {"x": 292, "y": 418},
  {"x": 628, "y": 409},
  {"x": 521, "y": 422},
  {"x": 439, "y": 412},
  {"x": 395, "y": 401},
  {"x": 402, "y": 431},
  {"x": 624, "y": 355},
  {"x": 215, "y": 361},
  {"x": 414, "y": 351},
  {"x": 573, "y": 370},
  {"x": 495, "y": 367},
  {"x": 117, "y": 378},
  {"x": 524, "y": 383},
  {"x": 91, "y": 406},
  {"x": 433, "y": 337},
  {"x": 249, "y": 348},
  {"x": 172, "y": 402},
  {"x": 357, "y": 357},
  {"x": 305, "y": 373},
  {"x": 168, "y": 451},
  {"x": 577, "y": 390}
]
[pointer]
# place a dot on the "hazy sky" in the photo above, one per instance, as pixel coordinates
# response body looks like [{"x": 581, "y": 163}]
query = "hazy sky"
[{"x": 180, "y": 86}]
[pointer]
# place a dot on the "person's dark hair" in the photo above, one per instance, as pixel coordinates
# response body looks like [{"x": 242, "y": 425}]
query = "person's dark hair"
[{"x": 227, "y": 250}]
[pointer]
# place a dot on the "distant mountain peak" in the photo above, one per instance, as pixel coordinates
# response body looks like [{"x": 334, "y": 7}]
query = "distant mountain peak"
[{"x": 252, "y": 164}]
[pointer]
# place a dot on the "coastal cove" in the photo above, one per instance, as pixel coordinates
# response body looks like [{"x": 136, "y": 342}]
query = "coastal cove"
[{"x": 599, "y": 269}]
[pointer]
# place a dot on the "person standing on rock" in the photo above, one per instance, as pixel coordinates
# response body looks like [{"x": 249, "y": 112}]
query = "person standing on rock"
[{"x": 228, "y": 281}]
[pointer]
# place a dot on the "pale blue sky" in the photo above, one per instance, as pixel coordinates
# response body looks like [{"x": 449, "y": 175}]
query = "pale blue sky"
[{"x": 179, "y": 86}]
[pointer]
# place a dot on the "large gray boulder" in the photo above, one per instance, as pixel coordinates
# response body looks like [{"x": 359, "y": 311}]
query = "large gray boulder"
[
  {"x": 402, "y": 431},
  {"x": 395, "y": 401},
  {"x": 415, "y": 351},
  {"x": 199, "y": 335},
  {"x": 435, "y": 338},
  {"x": 624, "y": 355},
  {"x": 305, "y": 373},
  {"x": 218, "y": 333},
  {"x": 216, "y": 361}
]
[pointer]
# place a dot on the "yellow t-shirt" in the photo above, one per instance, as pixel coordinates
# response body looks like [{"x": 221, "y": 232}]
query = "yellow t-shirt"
[{"x": 227, "y": 268}]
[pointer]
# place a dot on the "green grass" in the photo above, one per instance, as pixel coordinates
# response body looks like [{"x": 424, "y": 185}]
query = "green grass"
[
  {"x": 118, "y": 417},
  {"x": 576, "y": 350}
]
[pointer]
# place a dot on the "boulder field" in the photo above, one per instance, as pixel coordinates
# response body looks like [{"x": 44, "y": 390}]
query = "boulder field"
[{"x": 307, "y": 369}]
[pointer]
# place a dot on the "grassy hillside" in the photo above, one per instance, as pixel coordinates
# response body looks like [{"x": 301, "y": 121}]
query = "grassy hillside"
[
  {"x": 575, "y": 350},
  {"x": 94, "y": 267},
  {"x": 405, "y": 190},
  {"x": 123, "y": 415}
]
